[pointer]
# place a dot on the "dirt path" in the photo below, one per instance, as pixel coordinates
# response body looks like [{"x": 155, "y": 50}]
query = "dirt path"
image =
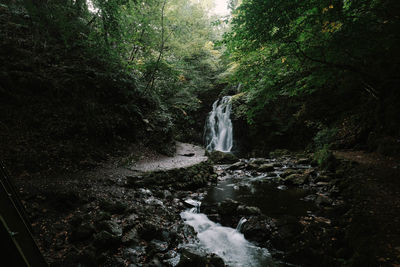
[
  {"x": 374, "y": 186},
  {"x": 186, "y": 155}
]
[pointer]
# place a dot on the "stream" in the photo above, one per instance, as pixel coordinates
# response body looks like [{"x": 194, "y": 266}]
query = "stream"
[{"x": 252, "y": 189}]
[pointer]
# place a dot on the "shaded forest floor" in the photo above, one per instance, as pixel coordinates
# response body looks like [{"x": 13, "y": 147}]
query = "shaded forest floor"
[{"x": 373, "y": 186}]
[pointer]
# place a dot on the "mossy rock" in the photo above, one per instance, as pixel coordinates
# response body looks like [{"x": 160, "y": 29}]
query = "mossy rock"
[{"x": 220, "y": 157}]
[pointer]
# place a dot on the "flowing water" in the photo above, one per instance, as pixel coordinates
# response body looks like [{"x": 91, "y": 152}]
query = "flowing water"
[
  {"x": 259, "y": 190},
  {"x": 218, "y": 129},
  {"x": 226, "y": 242}
]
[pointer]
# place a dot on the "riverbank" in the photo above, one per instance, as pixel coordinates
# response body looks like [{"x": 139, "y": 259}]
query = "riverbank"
[{"x": 98, "y": 217}]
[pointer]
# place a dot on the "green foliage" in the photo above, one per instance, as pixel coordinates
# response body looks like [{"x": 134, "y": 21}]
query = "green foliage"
[
  {"x": 297, "y": 47},
  {"x": 325, "y": 158},
  {"x": 325, "y": 137}
]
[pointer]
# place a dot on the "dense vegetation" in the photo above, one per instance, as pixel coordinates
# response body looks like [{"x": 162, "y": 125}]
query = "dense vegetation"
[
  {"x": 318, "y": 66},
  {"x": 77, "y": 76}
]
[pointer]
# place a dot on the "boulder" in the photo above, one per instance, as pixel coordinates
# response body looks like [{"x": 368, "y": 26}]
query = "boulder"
[
  {"x": 228, "y": 207},
  {"x": 237, "y": 166},
  {"x": 130, "y": 238},
  {"x": 267, "y": 167},
  {"x": 220, "y": 157},
  {"x": 82, "y": 232},
  {"x": 197, "y": 259},
  {"x": 111, "y": 227},
  {"x": 296, "y": 179},
  {"x": 248, "y": 210},
  {"x": 106, "y": 240},
  {"x": 288, "y": 172}
]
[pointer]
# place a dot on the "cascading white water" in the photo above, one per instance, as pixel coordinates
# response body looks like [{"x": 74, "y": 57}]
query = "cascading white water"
[
  {"x": 227, "y": 242},
  {"x": 242, "y": 221},
  {"x": 218, "y": 129}
]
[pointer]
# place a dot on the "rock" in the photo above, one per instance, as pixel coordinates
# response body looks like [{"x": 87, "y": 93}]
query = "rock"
[
  {"x": 237, "y": 166},
  {"x": 322, "y": 178},
  {"x": 222, "y": 157},
  {"x": 323, "y": 200},
  {"x": 113, "y": 207},
  {"x": 197, "y": 259},
  {"x": 129, "y": 222},
  {"x": 296, "y": 179},
  {"x": 130, "y": 238},
  {"x": 257, "y": 229},
  {"x": 106, "y": 240},
  {"x": 267, "y": 167},
  {"x": 288, "y": 172},
  {"x": 228, "y": 207},
  {"x": 248, "y": 210},
  {"x": 149, "y": 231},
  {"x": 81, "y": 233},
  {"x": 111, "y": 227},
  {"x": 134, "y": 180},
  {"x": 258, "y": 161},
  {"x": 303, "y": 161}
]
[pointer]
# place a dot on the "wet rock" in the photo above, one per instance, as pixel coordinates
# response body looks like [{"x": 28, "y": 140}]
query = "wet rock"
[
  {"x": 288, "y": 172},
  {"x": 113, "y": 207},
  {"x": 296, "y": 179},
  {"x": 130, "y": 238},
  {"x": 196, "y": 259},
  {"x": 110, "y": 226},
  {"x": 149, "y": 231},
  {"x": 303, "y": 161},
  {"x": 267, "y": 167},
  {"x": 323, "y": 200},
  {"x": 237, "y": 166},
  {"x": 222, "y": 157},
  {"x": 322, "y": 178},
  {"x": 106, "y": 240},
  {"x": 129, "y": 222},
  {"x": 158, "y": 245},
  {"x": 228, "y": 207},
  {"x": 82, "y": 232},
  {"x": 257, "y": 229},
  {"x": 258, "y": 161},
  {"x": 248, "y": 210}
]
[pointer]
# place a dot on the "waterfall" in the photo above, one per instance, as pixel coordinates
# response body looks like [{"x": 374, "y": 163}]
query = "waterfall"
[
  {"x": 218, "y": 129},
  {"x": 240, "y": 224}
]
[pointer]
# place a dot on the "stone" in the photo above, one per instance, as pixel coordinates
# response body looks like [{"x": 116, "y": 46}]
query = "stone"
[
  {"x": 227, "y": 207},
  {"x": 258, "y": 161},
  {"x": 106, "y": 240},
  {"x": 130, "y": 238},
  {"x": 288, "y": 172},
  {"x": 267, "y": 167},
  {"x": 303, "y": 161},
  {"x": 82, "y": 232},
  {"x": 323, "y": 200},
  {"x": 248, "y": 210},
  {"x": 296, "y": 179},
  {"x": 197, "y": 259},
  {"x": 220, "y": 157},
  {"x": 110, "y": 226},
  {"x": 113, "y": 207},
  {"x": 237, "y": 166}
]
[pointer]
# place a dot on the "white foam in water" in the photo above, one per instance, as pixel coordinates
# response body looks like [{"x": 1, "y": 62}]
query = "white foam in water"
[{"x": 226, "y": 242}]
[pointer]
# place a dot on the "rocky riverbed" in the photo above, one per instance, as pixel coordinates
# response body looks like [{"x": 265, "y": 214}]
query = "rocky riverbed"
[{"x": 116, "y": 216}]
